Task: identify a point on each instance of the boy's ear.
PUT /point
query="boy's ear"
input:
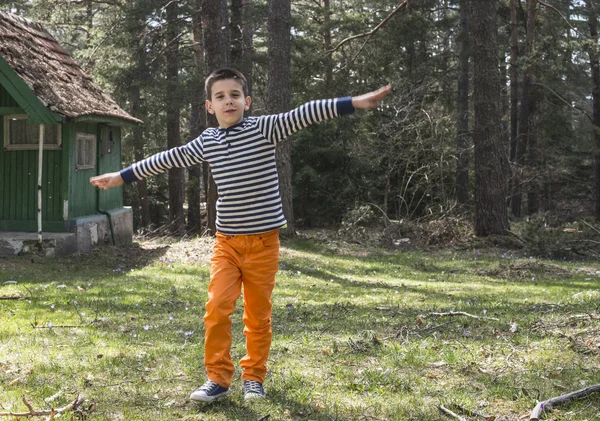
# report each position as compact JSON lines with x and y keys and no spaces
{"x":209,"y":107}
{"x":248,"y":102}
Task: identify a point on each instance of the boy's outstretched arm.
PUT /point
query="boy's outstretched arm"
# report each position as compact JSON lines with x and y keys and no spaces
{"x":371,"y":99}
{"x":108,"y":180}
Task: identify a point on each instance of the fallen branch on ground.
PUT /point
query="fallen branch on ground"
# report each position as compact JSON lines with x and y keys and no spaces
{"x":10,"y":297}
{"x":462,"y":313}
{"x":452,"y":414}
{"x":51,"y":413}
{"x":57,"y":326}
{"x":559,"y":400}
{"x":473,"y":413}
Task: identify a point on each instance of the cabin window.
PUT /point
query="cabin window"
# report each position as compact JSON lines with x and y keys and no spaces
{"x":86,"y":151}
{"x":20,"y":135}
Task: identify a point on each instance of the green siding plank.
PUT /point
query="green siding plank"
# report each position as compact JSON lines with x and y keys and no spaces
{"x":31,"y":183}
{"x":13,"y":188}
{"x":31,"y":226}
{"x":22,"y":171}
{"x":4,"y":186}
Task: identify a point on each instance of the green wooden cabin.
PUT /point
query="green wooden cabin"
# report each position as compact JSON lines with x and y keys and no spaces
{"x":41,"y":84}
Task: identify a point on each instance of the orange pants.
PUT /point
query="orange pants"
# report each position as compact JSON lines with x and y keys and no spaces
{"x":252,"y":261}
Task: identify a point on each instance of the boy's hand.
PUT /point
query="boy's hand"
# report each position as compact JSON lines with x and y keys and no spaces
{"x":108,"y":180}
{"x":370,"y":100}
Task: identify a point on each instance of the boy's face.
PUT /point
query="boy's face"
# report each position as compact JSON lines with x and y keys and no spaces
{"x":227,"y":102}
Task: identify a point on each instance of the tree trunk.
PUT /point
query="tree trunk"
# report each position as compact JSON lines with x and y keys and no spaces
{"x":197,"y":126}
{"x":525,"y":138}
{"x":280,"y":47}
{"x":217,"y":55}
{"x":514,"y":79}
{"x":594,"y":62}
{"x":176,"y":191}
{"x":490,"y":208}
{"x":328,"y":46}
{"x":514,"y":107}
{"x":138,"y":145}
{"x":462,"y":107}
{"x":531,"y":126}
{"x":241,"y":39}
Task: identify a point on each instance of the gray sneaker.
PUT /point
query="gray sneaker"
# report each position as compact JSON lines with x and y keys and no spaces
{"x":253,"y":390}
{"x":209,"y":392}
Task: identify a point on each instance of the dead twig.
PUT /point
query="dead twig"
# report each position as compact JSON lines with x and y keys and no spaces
{"x":370,"y":33}
{"x":462,"y":313}
{"x":51,"y":413}
{"x":592,"y":227}
{"x":51,"y":326}
{"x":559,"y":400}
{"x":10,"y":297}
{"x":450,"y":413}
{"x":473,"y":413}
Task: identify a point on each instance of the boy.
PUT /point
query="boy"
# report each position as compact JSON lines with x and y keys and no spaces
{"x":241,"y":153}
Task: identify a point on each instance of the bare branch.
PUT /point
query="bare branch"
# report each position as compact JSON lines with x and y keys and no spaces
{"x":462,"y":313}
{"x":452,"y":414}
{"x":565,"y":101}
{"x":559,"y":400}
{"x":370,"y":33}
{"x":561,"y":15}
{"x":44,"y":412}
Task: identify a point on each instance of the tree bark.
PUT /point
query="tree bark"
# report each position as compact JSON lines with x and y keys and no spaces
{"x":327,"y":46}
{"x":280,"y":47}
{"x":138,"y":145}
{"x":138,"y":58}
{"x":242,"y":35}
{"x":526,"y":136}
{"x":176,"y":191}
{"x":197,"y":126}
{"x":594,"y":62}
{"x":216,"y":46}
{"x":514,"y":79}
{"x":490,"y":208}
{"x":462,"y":107}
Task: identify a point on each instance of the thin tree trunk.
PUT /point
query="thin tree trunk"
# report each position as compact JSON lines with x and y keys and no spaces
{"x":594,"y":62}
{"x":248,"y":44}
{"x":514,"y":79}
{"x":525,"y":138}
{"x":242,"y":35}
{"x":490,"y":209}
{"x":138,"y":145}
{"x":197,"y":126}
{"x":462,"y":107}
{"x":327,"y":46}
{"x":514,"y":107}
{"x":217,"y":55}
{"x":280,"y":47}
{"x":531,"y":135}
{"x":138,"y":57}
{"x":176,"y":191}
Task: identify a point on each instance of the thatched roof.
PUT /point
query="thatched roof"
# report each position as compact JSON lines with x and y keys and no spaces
{"x":51,"y":73}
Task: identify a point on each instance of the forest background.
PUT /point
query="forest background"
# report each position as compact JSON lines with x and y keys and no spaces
{"x":491,"y":121}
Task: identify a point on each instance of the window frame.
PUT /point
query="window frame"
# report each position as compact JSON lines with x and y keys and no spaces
{"x":29,"y":146}
{"x":88,"y":137}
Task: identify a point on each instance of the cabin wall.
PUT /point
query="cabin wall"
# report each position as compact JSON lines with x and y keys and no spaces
{"x":18,"y":185}
{"x":110,"y":162}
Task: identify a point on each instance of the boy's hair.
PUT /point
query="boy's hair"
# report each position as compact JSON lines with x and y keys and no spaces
{"x":223,"y":74}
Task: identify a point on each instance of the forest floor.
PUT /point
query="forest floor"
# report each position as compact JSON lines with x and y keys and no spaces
{"x":357,"y":334}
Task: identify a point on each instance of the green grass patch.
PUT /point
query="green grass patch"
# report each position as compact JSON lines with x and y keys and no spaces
{"x":354,"y":334}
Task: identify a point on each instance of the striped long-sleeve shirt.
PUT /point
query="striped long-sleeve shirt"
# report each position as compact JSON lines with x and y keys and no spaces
{"x":242,"y":161}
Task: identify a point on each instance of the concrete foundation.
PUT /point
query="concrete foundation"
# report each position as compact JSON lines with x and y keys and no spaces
{"x":84,"y":234}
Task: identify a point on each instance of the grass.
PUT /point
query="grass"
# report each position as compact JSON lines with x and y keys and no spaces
{"x":354,"y":337}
